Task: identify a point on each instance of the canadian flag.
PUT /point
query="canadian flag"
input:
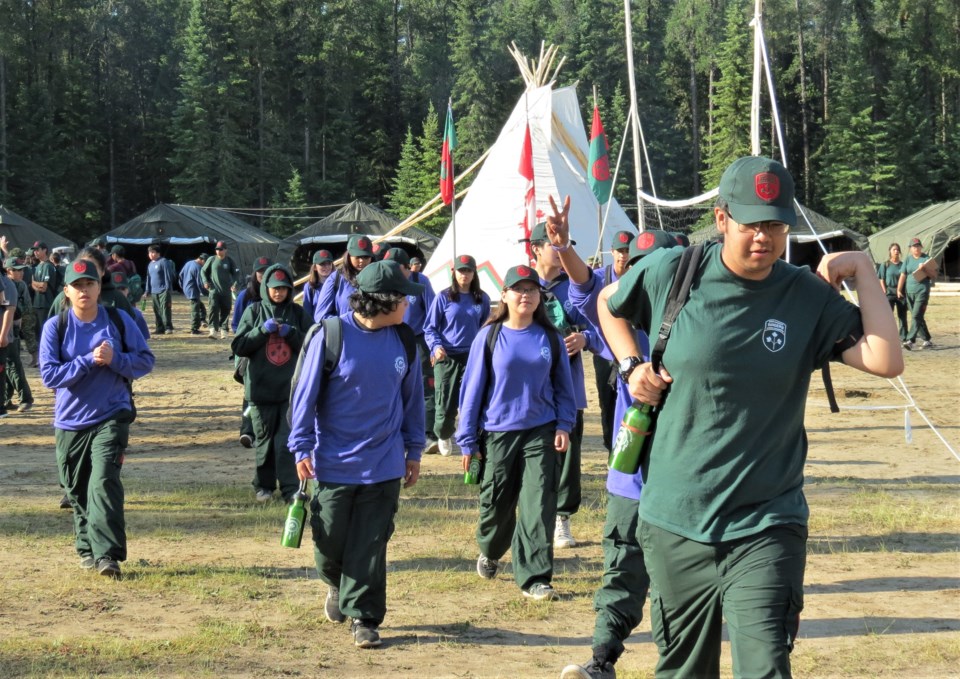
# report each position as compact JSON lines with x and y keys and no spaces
{"x":530,"y":198}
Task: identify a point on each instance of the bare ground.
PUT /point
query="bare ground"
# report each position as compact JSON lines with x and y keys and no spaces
{"x":882,"y":586}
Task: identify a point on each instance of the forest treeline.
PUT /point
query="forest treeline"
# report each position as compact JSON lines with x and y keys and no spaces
{"x":110,"y":106}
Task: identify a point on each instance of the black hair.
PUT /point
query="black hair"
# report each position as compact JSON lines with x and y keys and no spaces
{"x":152,"y":248}
{"x":453,"y":292}
{"x":348,"y":270}
{"x":95,"y":255}
{"x":371,"y":304}
{"x":253,"y":288}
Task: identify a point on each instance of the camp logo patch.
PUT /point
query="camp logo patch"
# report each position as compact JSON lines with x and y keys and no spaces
{"x":523,"y":271}
{"x":545,"y":353}
{"x":774,"y":335}
{"x":645,"y":240}
{"x":400,"y":365}
{"x":477,"y":309}
{"x":411,"y":299}
{"x":624,"y":238}
{"x":279,"y":276}
{"x":80,"y":267}
{"x":278,"y":351}
{"x":767,"y":186}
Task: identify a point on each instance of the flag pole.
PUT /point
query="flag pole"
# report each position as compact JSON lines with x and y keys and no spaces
{"x":453,"y":200}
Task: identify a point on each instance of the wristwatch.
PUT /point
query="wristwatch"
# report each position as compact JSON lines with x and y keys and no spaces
{"x":627,"y":366}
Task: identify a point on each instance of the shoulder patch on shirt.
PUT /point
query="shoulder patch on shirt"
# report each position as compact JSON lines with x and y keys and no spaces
{"x":774,"y":335}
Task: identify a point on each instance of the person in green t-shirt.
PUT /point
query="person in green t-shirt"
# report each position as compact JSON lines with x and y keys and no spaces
{"x":889,"y":275}
{"x":917,"y":294}
{"x":722,"y":515}
{"x":221,"y":277}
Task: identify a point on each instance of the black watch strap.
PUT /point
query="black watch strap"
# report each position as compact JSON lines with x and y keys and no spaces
{"x":624,"y":373}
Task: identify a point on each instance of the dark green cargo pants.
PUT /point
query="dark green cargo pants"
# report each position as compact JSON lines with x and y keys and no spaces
{"x":163,"y":311}
{"x":448,"y":374}
{"x":568,"y":493}
{"x":275,"y":462}
{"x":16,"y":377}
{"x":352,"y":525}
{"x":521,"y":470}
{"x":89,"y":463}
{"x":620,"y":599}
{"x":755,"y":583}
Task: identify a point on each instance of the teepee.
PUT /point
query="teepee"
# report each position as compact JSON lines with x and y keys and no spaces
{"x":489,"y":221}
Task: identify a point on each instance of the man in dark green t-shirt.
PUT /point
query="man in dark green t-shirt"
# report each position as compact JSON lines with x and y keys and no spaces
{"x":723,"y":518}
{"x":917,"y":294}
{"x":44,"y":282}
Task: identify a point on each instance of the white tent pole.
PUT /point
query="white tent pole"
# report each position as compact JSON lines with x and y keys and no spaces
{"x":755,"y":100}
{"x":635,"y":118}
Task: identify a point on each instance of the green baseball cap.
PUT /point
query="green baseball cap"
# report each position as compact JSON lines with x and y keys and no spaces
{"x":621,"y":239}
{"x":14,"y":263}
{"x":386,"y":276}
{"x":648,"y":241}
{"x":398,"y":255}
{"x":521,"y":273}
{"x":465,"y":263}
{"x":539,"y":234}
{"x":119,"y":279}
{"x":261,"y":264}
{"x":322,"y":257}
{"x":81,"y":268}
{"x":359,"y":246}
{"x":758,"y":189}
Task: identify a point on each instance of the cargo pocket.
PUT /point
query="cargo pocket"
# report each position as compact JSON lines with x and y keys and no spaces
{"x":659,"y":624}
{"x":791,"y":621}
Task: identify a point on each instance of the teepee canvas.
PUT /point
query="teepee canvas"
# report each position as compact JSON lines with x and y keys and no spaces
{"x":489,"y":221}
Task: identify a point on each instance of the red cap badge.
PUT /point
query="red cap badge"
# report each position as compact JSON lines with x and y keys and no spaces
{"x":767,"y":186}
{"x":645,"y":240}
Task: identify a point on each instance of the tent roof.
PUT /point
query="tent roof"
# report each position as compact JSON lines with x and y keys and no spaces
{"x":22,"y":233}
{"x":185,"y":225}
{"x":936,"y":226}
{"x":356,"y":217}
{"x":823,"y":228}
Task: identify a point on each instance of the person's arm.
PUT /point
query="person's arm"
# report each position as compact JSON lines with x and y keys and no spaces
{"x":878,"y":352}
{"x":558,"y":231}
{"x":882,"y":275}
{"x":8,"y":312}
{"x":902,"y":282}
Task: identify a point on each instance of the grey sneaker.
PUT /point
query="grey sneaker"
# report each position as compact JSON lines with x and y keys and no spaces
{"x":87,"y":562}
{"x":223,"y":334}
{"x":540,"y":591}
{"x":213,"y":334}
{"x":926,"y":344}
{"x":432,"y":447}
{"x":331,"y":607}
{"x":108,"y":568}
{"x":365,"y":634}
{"x":65,"y":503}
{"x":487,"y":568}
{"x":246,"y":440}
{"x":25,"y":408}
{"x":907,"y":345}
{"x":589,"y":670}
{"x":264,"y":495}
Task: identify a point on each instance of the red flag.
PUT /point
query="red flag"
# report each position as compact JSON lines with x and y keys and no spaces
{"x":446,"y":158}
{"x":530,"y":198}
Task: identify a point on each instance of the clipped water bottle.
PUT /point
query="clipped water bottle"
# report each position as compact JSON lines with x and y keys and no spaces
{"x":634,"y":428}
{"x":471,"y":477}
{"x":296,"y":519}
{"x":143,"y":304}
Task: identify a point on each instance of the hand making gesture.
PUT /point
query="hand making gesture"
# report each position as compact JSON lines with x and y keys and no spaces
{"x":558,"y":224}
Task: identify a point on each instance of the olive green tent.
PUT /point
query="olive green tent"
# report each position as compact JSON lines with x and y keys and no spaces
{"x":22,"y":233}
{"x":937,"y":227}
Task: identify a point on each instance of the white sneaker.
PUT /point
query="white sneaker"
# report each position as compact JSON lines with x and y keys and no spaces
{"x":223,"y":334}
{"x":926,"y":345}
{"x":445,"y":446}
{"x":432,"y":447}
{"x":213,"y":334}
{"x":562,"y":537}
{"x":264,"y":495}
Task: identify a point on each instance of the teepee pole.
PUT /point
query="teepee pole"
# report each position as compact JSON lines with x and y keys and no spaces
{"x":755,"y":99}
{"x":635,"y":119}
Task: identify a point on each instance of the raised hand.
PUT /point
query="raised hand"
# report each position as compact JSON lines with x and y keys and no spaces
{"x":558,"y":224}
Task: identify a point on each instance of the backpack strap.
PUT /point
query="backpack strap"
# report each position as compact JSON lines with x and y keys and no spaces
{"x":607,"y":275}
{"x":679,"y":293}
{"x":409,"y":340}
{"x":112,"y":312}
{"x":332,"y":342}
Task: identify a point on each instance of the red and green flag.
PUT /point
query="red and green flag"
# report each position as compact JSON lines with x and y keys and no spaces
{"x":446,"y":158}
{"x":530,"y":193}
{"x":600,"y":181}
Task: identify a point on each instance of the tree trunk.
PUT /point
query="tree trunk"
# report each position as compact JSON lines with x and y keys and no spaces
{"x":695,"y":123}
{"x":804,"y":122}
{"x":3,"y":127}
{"x":260,"y":132}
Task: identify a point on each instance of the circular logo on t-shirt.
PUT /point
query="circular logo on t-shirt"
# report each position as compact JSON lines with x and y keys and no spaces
{"x":645,"y":240}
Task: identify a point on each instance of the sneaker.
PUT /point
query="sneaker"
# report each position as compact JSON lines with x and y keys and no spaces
{"x":540,"y":591}
{"x":589,"y":670}
{"x":213,"y":334}
{"x":195,"y":332}
{"x":65,"y":502}
{"x":264,"y":495}
{"x":331,"y":607}
{"x":926,"y":345}
{"x":908,"y":346}
{"x":432,"y":447}
{"x":562,"y":537}
{"x":487,"y":568}
{"x":25,"y":408}
{"x":223,"y":334}
{"x":365,"y":634}
{"x":246,"y":440}
{"x":445,"y":446}
{"x":32,"y":363}
{"x":87,"y":562}
{"x":108,"y":568}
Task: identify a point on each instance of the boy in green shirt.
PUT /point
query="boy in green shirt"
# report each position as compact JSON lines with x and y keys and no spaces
{"x":723,"y":518}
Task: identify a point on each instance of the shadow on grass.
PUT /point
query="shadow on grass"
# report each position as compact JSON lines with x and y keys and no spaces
{"x":469,"y":634}
{"x":145,"y":571}
{"x":922,"y":584}
{"x":925,"y":543}
{"x":873,"y":626}
{"x":903,"y":482}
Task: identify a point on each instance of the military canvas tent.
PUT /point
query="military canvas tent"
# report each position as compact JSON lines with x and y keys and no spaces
{"x":804,"y":249}
{"x":333,"y":232}
{"x":185,"y":232}
{"x":937,"y":227}
{"x":22,"y":233}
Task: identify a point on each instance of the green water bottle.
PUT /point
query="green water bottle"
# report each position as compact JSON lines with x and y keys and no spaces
{"x":471,"y":477}
{"x":634,"y":428}
{"x":296,"y":519}
{"x":143,"y":304}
